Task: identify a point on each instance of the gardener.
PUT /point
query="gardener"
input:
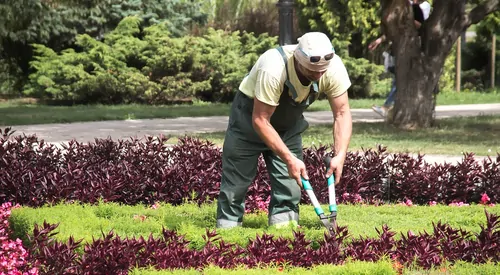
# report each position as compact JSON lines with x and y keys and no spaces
{"x":267,"y":118}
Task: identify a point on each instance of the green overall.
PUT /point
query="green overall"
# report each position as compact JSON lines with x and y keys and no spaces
{"x":243,"y":146}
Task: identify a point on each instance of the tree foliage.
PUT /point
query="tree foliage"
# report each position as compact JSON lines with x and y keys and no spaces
{"x":351,"y":23}
{"x":477,"y":54}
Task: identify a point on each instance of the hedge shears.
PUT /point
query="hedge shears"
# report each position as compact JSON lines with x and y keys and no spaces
{"x":329,"y":221}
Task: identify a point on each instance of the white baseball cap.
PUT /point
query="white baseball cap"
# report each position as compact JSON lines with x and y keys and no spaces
{"x":314,"y":51}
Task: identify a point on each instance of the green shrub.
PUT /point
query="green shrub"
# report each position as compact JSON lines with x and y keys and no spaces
{"x":223,"y":61}
{"x":56,"y":25}
{"x":363,"y":75}
{"x":447,"y":79}
{"x":472,"y":80}
{"x":145,"y":66}
{"x":10,"y":78}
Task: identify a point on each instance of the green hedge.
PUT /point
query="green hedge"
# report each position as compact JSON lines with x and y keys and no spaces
{"x":363,"y":75}
{"x":85,"y":221}
{"x":145,"y":66}
{"x":350,"y":268}
{"x":135,"y":65}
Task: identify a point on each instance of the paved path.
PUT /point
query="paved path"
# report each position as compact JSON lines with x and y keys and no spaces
{"x":123,"y":129}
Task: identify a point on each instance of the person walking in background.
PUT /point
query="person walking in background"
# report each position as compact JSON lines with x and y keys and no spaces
{"x":421,"y":11}
{"x":267,"y":119}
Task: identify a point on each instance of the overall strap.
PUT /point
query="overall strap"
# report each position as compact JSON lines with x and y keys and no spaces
{"x":287,"y":81}
{"x":314,"y":90}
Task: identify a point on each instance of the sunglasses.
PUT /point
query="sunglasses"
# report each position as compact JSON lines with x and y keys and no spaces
{"x":317,"y":58}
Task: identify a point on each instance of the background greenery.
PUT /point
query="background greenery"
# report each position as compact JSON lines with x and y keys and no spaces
{"x":158,"y":52}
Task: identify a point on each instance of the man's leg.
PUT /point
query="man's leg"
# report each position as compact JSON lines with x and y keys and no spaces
{"x":285,"y":192}
{"x":239,"y":166}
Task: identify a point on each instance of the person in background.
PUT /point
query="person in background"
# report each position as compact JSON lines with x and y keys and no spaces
{"x":267,"y":119}
{"x":421,"y":11}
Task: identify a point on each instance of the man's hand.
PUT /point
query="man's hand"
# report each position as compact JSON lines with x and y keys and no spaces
{"x":336,"y":166}
{"x":296,"y":170}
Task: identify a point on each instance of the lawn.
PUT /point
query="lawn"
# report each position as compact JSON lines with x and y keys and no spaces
{"x":87,"y":221}
{"x":193,"y":223}
{"x":451,"y":136}
{"x":19,"y":112}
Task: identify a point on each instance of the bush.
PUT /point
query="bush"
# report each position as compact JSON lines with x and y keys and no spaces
{"x":223,"y":59}
{"x":10,"y":79}
{"x":56,"y":25}
{"x":448,"y":75}
{"x":145,"y":66}
{"x":362,"y":74}
{"x":472,"y":80}
{"x":144,"y":171}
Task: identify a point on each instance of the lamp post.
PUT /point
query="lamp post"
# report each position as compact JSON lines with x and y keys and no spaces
{"x":285,"y":8}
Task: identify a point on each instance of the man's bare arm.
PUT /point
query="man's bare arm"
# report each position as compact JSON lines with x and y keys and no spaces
{"x":342,"y":131}
{"x":261,"y":121}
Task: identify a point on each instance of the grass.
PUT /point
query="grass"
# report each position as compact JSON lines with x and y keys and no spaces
{"x":349,"y":268}
{"x":84,"y":221}
{"x":87,"y":221}
{"x":451,"y":136}
{"x":15,"y":113}
{"x":25,"y":112}
{"x":446,"y":98}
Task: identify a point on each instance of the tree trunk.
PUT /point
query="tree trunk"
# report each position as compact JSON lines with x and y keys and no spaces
{"x":420,"y":57}
{"x":415,"y":84}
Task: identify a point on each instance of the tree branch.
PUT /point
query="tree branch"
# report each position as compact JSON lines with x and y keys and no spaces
{"x":480,"y":11}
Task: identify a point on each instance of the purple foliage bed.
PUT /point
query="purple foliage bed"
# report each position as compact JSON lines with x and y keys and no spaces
{"x":34,"y":173}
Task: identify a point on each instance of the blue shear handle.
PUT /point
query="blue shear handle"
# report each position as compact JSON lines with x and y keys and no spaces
{"x":331,"y":194}
{"x":306,"y":184}
{"x":309,"y":190}
{"x":331,"y":180}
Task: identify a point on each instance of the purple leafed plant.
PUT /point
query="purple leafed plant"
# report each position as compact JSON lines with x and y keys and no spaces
{"x":34,"y":173}
{"x":372,"y":249}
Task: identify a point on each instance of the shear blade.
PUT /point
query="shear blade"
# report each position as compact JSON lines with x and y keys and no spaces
{"x":329,"y":226}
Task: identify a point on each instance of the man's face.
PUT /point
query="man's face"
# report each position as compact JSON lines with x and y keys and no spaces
{"x":310,"y":75}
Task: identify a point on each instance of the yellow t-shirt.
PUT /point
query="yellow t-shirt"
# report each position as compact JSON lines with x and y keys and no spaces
{"x":267,"y":78}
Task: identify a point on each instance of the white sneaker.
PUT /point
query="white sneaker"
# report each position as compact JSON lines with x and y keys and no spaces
{"x":381,"y":110}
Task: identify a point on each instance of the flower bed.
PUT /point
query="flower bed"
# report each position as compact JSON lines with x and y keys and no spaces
{"x":113,"y":254}
{"x":13,"y":256}
{"x":133,"y":171}
{"x":33,"y":173}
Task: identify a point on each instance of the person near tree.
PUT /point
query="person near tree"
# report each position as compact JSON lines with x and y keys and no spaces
{"x":421,"y":11}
